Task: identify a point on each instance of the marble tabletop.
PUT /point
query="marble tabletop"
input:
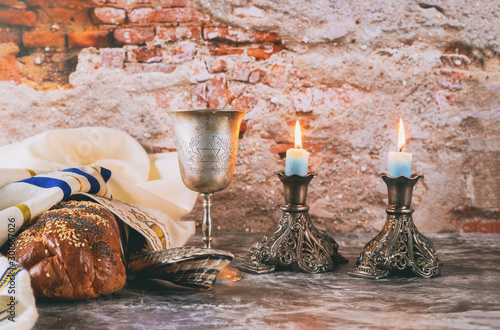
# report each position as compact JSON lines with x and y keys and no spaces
{"x":466,"y":296}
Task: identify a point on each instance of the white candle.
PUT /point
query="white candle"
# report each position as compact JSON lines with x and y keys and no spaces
{"x":297,"y":159}
{"x":400,"y":162}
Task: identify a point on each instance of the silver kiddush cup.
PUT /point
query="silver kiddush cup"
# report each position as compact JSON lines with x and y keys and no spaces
{"x":207,"y":142}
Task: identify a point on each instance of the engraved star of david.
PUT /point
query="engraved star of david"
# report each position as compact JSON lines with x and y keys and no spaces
{"x":209,"y":154}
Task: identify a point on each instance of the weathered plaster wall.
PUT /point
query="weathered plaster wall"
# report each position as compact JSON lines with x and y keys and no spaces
{"x":348,"y":70}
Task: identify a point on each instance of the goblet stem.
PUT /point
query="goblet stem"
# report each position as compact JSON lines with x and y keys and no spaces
{"x":207,"y":220}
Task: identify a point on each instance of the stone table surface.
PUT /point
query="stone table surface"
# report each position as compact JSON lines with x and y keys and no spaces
{"x":466,"y":296}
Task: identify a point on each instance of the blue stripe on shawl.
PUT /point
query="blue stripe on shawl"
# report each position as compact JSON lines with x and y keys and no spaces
{"x":106,"y":174}
{"x":94,"y":184}
{"x":8,"y":274}
{"x":44,"y":182}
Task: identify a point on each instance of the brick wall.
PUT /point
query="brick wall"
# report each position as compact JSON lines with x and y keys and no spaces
{"x":347,"y":72}
{"x":56,"y":30}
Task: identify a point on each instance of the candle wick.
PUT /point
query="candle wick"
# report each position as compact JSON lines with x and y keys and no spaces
{"x":402,"y":147}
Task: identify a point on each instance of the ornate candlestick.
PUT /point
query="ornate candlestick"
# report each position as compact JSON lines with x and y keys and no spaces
{"x":399,"y":246}
{"x":295,"y":240}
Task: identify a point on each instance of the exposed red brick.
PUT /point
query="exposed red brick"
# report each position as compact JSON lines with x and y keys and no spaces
{"x":131,"y":4}
{"x":218,"y":94}
{"x":182,"y":52}
{"x":18,"y":17}
{"x":150,"y":15}
{"x":69,"y":18}
{"x":146,"y":54}
{"x":13,"y":4}
{"x":217,"y":65}
{"x":276,"y":77}
{"x":480,"y":226}
{"x":9,"y":48}
{"x":9,"y":69}
{"x":263,"y":53}
{"x":490,"y":227}
{"x":228,"y":51}
{"x":108,"y":15}
{"x":174,"y":3}
{"x":44,"y":39}
{"x":97,"y":38}
{"x":239,"y":35}
{"x":178,"y":32}
{"x":133,"y":68}
{"x":133,"y":36}
{"x":76,"y":4}
{"x":9,"y":65}
{"x":241,"y":72}
{"x":11,"y":34}
{"x":199,"y":96}
{"x":259,"y":54}
{"x":112,"y":57}
{"x":451,"y":78}
{"x":245,"y":102}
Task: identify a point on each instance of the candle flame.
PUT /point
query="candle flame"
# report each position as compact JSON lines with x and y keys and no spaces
{"x":401,"y":140}
{"x":298,"y":138}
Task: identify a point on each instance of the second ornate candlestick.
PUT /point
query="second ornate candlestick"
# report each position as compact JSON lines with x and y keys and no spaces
{"x":399,"y":246}
{"x":294,"y":241}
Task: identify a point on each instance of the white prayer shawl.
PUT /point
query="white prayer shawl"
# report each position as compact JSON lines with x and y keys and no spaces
{"x":99,"y":161}
{"x":106,"y":165}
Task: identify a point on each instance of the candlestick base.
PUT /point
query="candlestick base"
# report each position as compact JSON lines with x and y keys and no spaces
{"x":294,"y":241}
{"x":399,"y":246}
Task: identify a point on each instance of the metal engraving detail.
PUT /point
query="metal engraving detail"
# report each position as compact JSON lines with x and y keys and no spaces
{"x":206,"y":154}
{"x":207,"y":143}
{"x":295,"y":241}
{"x":399,"y":246}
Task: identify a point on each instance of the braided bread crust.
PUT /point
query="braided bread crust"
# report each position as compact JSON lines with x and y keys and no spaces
{"x":73,"y":252}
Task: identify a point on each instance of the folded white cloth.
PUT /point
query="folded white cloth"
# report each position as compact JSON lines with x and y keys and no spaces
{"x":147,"y":194}
{"x":17,"y":303}
{"x":152,"y":182}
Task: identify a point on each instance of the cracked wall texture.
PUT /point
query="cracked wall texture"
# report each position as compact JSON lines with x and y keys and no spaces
{"x":347,"y":70}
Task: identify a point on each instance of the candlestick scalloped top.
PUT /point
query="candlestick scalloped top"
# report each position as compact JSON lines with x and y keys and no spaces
{"x":414,"y":176}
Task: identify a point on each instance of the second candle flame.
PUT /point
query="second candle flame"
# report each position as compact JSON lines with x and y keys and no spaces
{"x":401,"y":140}
{"x":298,"y":139}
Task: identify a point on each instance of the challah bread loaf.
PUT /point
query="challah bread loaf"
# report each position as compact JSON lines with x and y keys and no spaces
{"x":73,"y":252}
